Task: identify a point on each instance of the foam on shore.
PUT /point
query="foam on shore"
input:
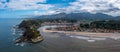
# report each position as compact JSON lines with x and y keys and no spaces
{"x":89,"y":39}
{"x":90,"y":36}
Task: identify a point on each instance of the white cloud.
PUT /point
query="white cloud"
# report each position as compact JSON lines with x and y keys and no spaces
{"x":110,"y":7}
{"x":113,"y":13}
{"x":50,"y":12}
{"x":3,"y":0}
{"x":3,"y":3}
{"x":95,"y":6}
{"x":28,"y":4}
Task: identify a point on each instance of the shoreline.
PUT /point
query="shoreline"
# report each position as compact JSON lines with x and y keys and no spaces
{"x":115,"y":36}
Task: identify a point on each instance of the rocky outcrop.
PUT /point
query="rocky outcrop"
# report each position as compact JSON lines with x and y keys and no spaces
{"x":37,"y":39}
{"x":30,"y":34}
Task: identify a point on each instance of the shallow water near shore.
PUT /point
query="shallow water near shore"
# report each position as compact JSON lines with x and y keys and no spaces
{"x":53,"y":42}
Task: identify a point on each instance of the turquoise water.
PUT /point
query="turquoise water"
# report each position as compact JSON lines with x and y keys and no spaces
{"x":53,"y":42}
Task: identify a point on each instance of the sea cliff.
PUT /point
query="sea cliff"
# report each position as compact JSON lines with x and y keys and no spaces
{"x":30,"y":34}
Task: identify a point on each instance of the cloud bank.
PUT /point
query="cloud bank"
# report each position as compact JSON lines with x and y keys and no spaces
{"x":25,"y":5}
{"x":110,"y":7}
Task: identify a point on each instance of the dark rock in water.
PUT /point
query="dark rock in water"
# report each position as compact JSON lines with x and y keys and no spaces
{"x":32,"y":40}
{"x":30,"y":34}
{"x":37,"y":39}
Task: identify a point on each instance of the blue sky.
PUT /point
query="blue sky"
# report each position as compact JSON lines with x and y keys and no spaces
{"x":48,"y":7}
{"x":24,"y":7}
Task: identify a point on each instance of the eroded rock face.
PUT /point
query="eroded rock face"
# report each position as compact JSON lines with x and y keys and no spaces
{"x":32,"y":40}
{"x":30,"y":34}
{"x":38,"y":39}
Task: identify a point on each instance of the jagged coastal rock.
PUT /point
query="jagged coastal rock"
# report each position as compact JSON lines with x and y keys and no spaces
{"x":30,"y":34}
{"x":37,"y":39}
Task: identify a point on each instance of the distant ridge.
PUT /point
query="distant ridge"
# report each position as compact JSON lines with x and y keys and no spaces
{"x":78,"y":16}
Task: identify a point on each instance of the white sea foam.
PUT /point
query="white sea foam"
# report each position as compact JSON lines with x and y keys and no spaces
{"x":20,"y":34}
{"x":67,"y":34}
{"x":115,"y":38}
{"x":98,"y":38}
{"x":13,"y":33}
{"x":20,"y":44}
{"x":91,"y":40}
{"x":16,"y":44}
{"x":80,"y":37}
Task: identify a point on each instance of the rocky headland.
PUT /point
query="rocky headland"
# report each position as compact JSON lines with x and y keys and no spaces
{"x":30,"y":34}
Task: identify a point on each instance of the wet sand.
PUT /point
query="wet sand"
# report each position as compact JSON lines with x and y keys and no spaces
{"x":89,"y":34}
{"x":61,"y":42}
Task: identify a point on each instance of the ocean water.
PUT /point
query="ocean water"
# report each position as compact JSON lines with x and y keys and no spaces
{"x":53,"y":42}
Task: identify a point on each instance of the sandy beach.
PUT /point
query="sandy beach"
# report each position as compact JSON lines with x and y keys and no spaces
{"x":89,"y":34}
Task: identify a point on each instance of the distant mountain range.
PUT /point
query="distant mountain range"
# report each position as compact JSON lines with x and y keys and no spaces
{"x":116,"y":18}
{"x":79,"y":16}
